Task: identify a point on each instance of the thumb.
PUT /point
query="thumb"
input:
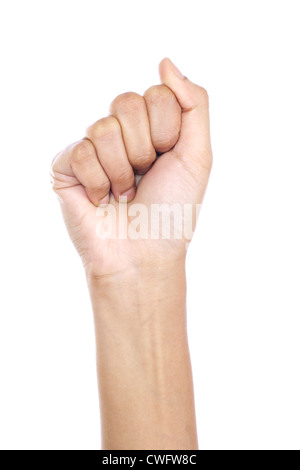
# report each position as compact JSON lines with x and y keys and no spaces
{"x":194,"y":141}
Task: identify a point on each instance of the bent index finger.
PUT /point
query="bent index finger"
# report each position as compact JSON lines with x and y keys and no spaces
{"x":164,"y":116}
{"x":131,"y":112}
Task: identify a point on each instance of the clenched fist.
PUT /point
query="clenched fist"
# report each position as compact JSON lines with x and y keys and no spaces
{"x":164,"y":138}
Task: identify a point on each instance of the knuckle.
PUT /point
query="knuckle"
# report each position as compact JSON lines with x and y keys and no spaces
{"x":144,"y":160}
{"x":105,"y":128}
{"x":124,"y":178}
{"x":127,"y":103}
{"x":82,"y":151}
{"x":104,"y":186}
{"x":98,"y":181}
{"x":159,"y":95}
{"x":165,"y":141}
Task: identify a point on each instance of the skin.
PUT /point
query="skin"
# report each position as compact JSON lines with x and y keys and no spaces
{"x":138,"y":287}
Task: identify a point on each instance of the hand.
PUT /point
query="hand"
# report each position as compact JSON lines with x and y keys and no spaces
{"x":172,"y":120}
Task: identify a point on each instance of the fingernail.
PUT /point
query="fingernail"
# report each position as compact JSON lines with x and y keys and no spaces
{"x":177,"y":71}
{"x":104,"y":201}
{"x":128,"y":195}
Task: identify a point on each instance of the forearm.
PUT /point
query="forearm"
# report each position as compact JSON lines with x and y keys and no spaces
{"x":144,"y":372}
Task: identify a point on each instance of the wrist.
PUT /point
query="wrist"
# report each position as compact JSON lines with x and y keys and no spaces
{"x":153,"y":274}
{"x":153,"y":292}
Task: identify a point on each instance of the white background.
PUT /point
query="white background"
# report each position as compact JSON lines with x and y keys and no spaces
{"x":62,"y":63}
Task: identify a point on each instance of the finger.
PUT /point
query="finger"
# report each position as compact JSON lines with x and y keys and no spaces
{"x":164,"y":116}
{"x":78,"y":164}
{"x":194,"y":142}
{"x":131,"y":112}
{"x":106,"y":135}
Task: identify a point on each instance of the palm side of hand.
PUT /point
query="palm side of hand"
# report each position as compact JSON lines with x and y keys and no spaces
{"x":176,"y":125}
